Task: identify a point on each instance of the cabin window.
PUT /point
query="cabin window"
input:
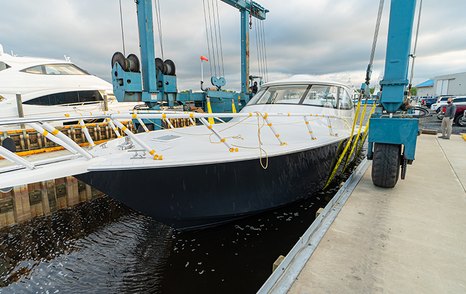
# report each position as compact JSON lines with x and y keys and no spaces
{"x":290,"y":94}
{"x":64,"y":98}
{"x":3,"y":65}
{"x":458,"y":100}
{"x":322,"y":95}
{"x":344,"y":99}
{"x":55,"y":69}
{"x":312,"y":95}
{"x":34,"y":70}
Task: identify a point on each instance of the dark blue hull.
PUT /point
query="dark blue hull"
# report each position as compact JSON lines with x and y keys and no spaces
{"x":203,"y":195}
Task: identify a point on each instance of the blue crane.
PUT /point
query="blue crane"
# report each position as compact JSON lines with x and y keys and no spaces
{"x":393,"y":132}
{"x":153,"y":80}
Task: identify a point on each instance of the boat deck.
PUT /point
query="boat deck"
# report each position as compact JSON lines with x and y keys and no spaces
{"x":409,"y":239}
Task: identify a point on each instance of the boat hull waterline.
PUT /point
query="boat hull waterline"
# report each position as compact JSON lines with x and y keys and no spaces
{"x":204,"y":195}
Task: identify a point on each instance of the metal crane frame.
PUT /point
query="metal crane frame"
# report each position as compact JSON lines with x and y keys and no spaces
{"x":152,"y":86}
{"x":392,"y":133}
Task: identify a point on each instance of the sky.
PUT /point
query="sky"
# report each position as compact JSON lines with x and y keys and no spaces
{"x":327,"y":39}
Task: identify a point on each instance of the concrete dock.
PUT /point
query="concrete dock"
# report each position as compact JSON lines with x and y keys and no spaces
{"x":409,"y":239}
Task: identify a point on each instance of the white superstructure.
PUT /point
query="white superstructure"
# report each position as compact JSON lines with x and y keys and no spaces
{"x":52,"y":87}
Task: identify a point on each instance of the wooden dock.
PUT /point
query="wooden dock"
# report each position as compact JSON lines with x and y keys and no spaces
{"x":409,"y":239}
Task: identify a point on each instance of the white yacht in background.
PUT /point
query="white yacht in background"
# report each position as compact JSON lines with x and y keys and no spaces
{"x":52,"y":87}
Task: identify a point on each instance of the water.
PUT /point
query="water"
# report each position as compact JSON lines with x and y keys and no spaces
{"x":104,"y":247}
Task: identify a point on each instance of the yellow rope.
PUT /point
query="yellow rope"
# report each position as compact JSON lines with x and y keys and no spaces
{"x":259,"y":127}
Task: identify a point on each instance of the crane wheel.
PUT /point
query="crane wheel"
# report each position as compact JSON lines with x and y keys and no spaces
{"x":386,"y":165}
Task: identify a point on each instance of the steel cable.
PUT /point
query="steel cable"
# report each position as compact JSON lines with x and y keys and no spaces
{"x":122,"y":30}
{"x":256,"y":33}
{"x":265,"y":52}
{"x":159,"y":26}
{"x":207,"y":36}
{"x":415,"y":45}
{"x":374,"y":42}
{"x":220,"y":40}
{"x":213,"y":52}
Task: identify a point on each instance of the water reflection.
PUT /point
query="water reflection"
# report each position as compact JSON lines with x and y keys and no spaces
{"x":104,"y":247}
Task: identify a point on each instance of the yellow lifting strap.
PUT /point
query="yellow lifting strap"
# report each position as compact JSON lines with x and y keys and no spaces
{"x":209,"y":110}
{"x":348,"y":143}
{"x":233,"y":106}
{"x":366,"y":130}
{"x":353,"y":148}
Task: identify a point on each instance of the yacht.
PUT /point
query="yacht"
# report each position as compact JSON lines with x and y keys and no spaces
{"x":279,"y":149}
{"x":52,"y":87}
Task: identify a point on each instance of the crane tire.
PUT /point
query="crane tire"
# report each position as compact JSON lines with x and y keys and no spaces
{"x":386,"y":165}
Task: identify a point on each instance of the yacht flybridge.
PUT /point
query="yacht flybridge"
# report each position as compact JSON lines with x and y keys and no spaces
{"x":280,"y":148}
{"x":52,"y":87}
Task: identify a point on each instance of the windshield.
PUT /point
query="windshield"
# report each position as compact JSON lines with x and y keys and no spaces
{"x":55,"y":69}
{"x":313,"y":95}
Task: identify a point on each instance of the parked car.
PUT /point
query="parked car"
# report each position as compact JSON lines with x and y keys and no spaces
{"x":427,"y":101}
{"x":441,"y":101}
{"x":460,"y":113}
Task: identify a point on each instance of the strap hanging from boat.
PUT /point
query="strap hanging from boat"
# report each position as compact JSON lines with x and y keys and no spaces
{"x":159,"y":26}
{"x":413,"y":55}
{"x":345,"y":150}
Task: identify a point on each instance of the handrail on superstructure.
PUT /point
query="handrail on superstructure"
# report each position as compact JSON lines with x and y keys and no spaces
{"x":41,"y":125}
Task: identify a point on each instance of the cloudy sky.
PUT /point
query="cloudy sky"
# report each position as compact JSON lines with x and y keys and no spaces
{"x":327,"y":38}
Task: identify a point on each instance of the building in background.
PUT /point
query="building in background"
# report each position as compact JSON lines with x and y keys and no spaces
{"x":425,"y":89}
{"x":452,"y":84}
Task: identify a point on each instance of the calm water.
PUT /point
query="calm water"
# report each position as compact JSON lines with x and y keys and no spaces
{"x":104,"y":247}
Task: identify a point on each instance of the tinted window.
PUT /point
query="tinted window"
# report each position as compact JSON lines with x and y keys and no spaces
{"x":290,"y":94}
{"x":66,"y":98}
{"x":55,"y":69}
{"x":34,"y":70}
{"x":3,"y":65}
{"x":313,"y":95}
{"x":457,"y":100}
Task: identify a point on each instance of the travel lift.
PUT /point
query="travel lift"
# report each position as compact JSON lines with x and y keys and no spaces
{"x":393,"y":131}
{"x":154,"y":82}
